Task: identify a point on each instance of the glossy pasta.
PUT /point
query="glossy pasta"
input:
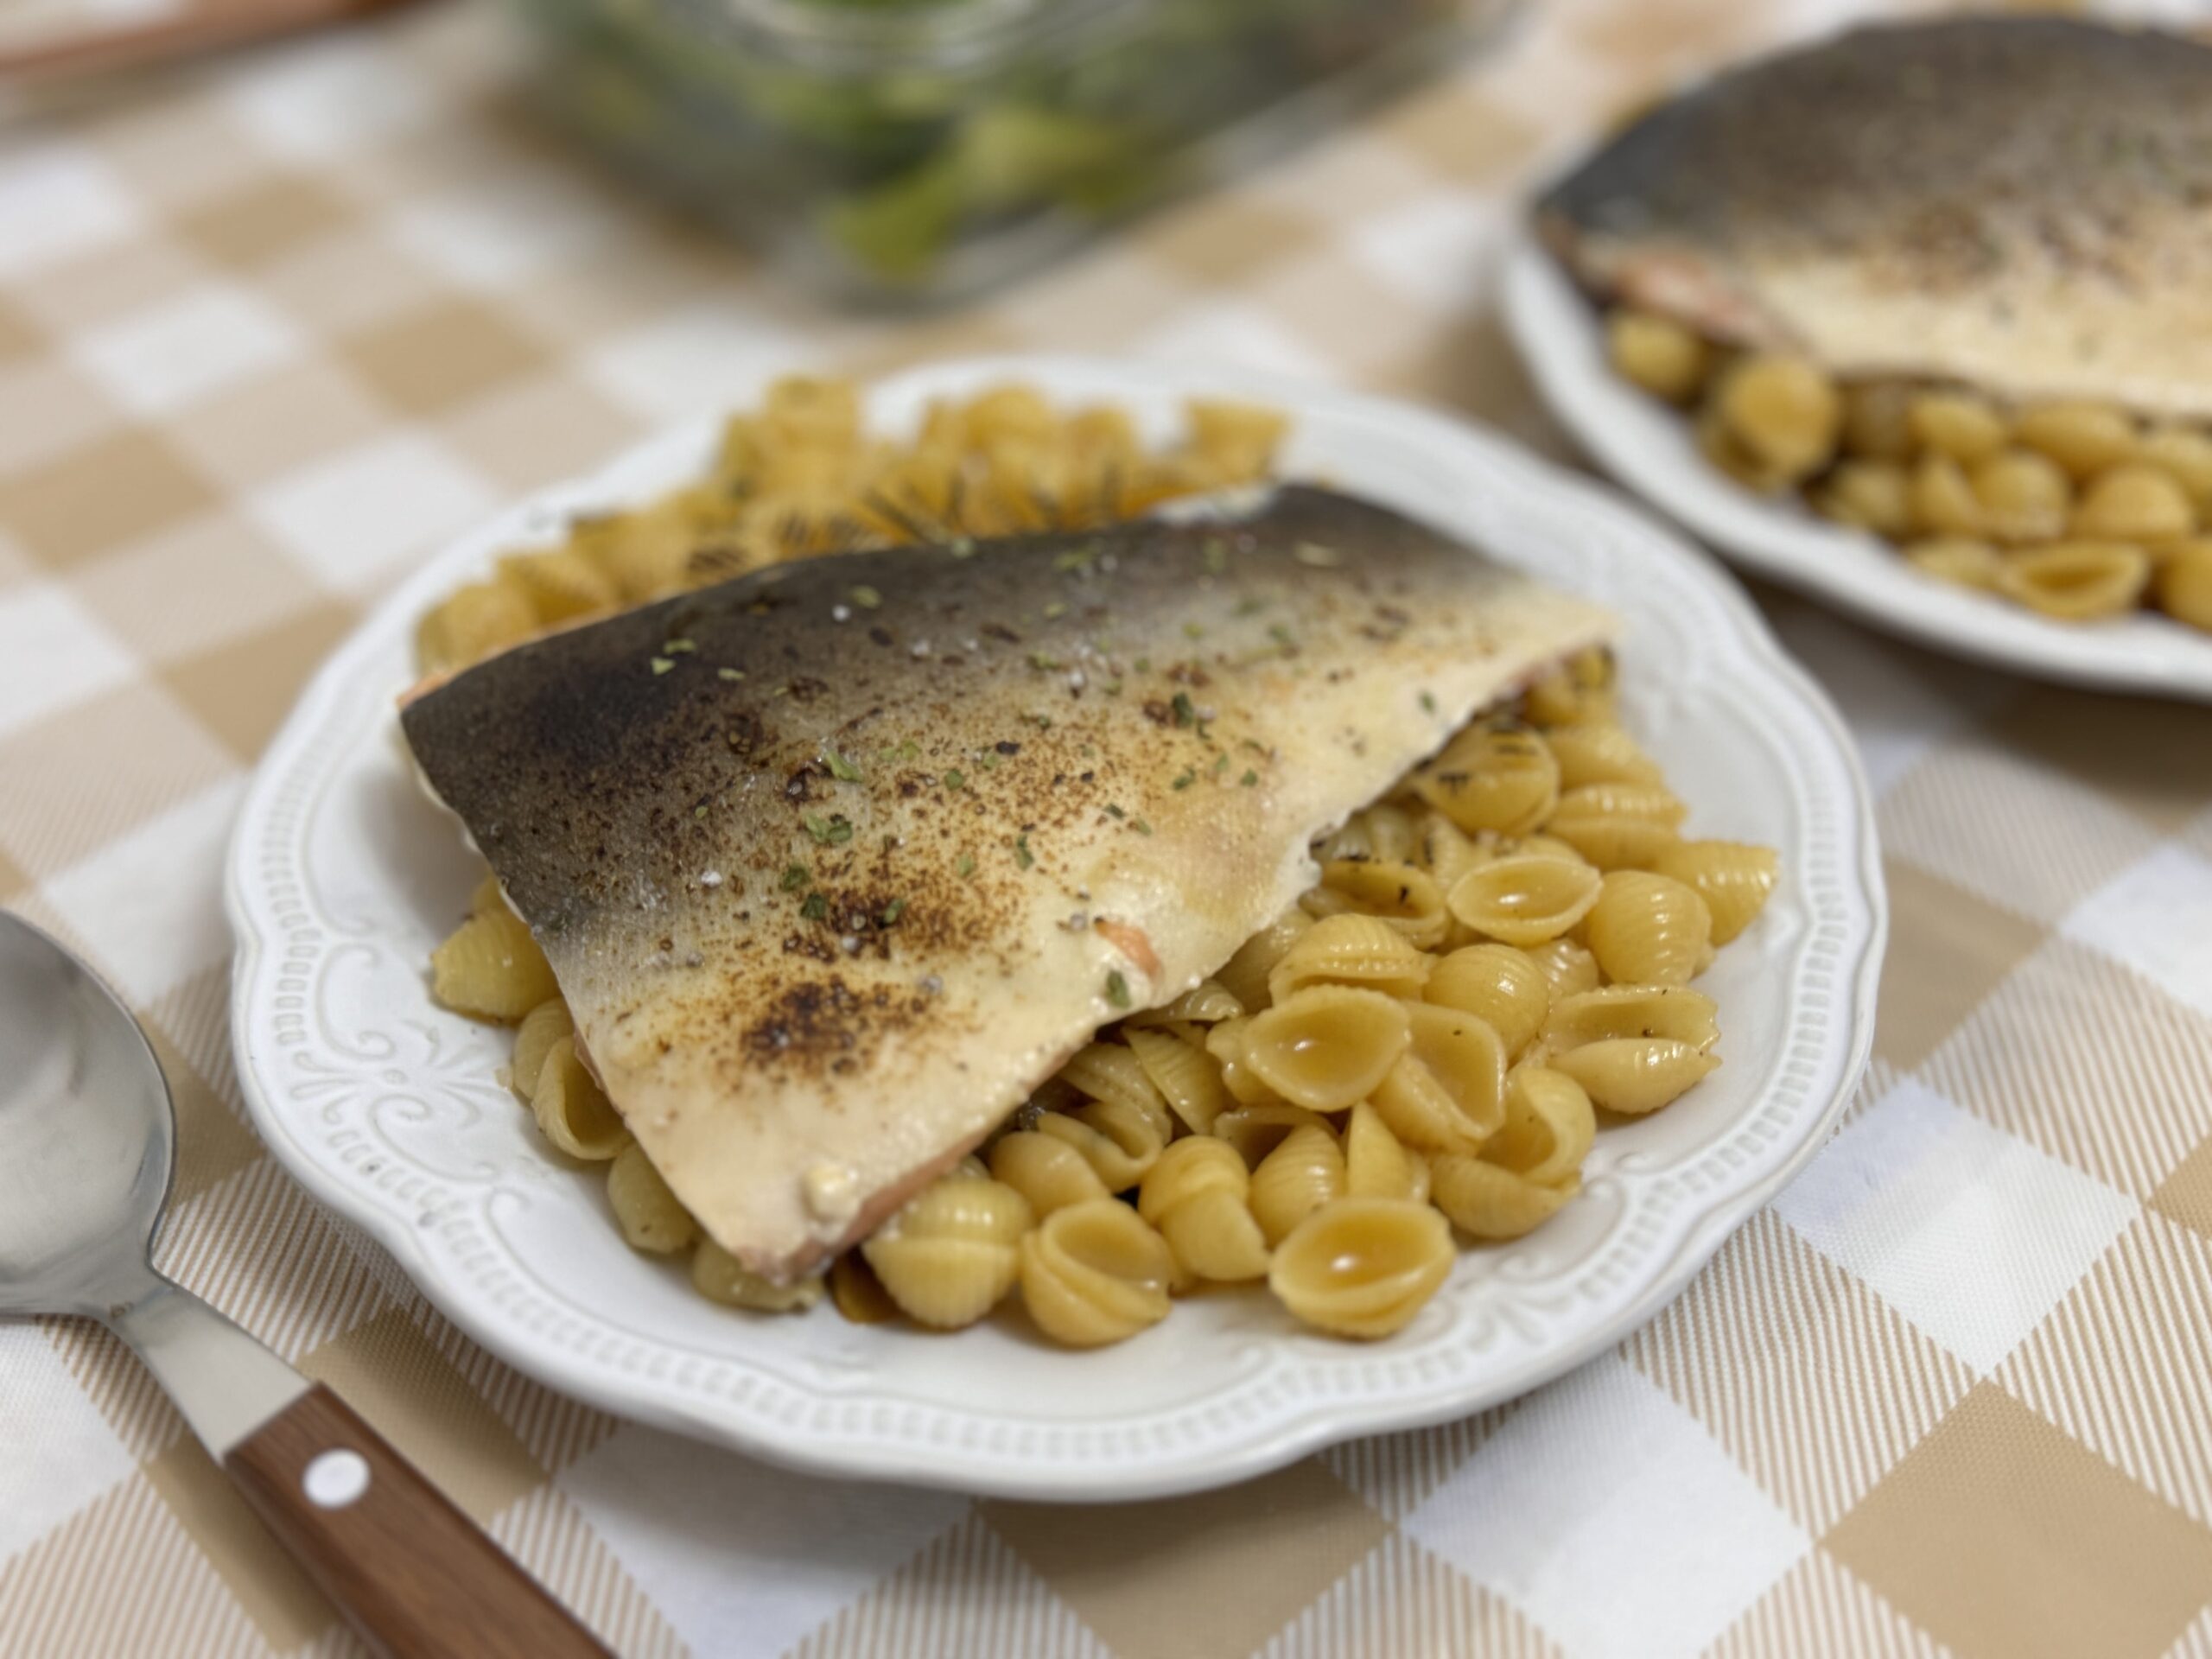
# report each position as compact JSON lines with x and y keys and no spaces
{"x":2069,"y":508}
{"x":1491,"y":959}
{"x":952,"y":1251}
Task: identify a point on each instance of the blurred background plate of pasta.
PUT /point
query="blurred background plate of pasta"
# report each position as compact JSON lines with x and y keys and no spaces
{"x":342,"y":878}
{"x":1652,"y":449}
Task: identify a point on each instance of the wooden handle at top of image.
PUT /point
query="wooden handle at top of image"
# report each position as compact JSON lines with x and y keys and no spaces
{"x":413,"y":1575}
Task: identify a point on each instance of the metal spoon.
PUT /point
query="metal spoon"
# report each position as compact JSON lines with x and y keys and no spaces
{"x":88,"y":1140}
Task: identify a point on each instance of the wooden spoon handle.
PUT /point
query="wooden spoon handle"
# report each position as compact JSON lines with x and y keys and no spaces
{"x":415,"y":1575}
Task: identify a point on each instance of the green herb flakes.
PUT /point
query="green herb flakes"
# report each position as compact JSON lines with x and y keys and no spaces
{"x":866,"y":597}
{"x":1213,"y":554}
{"x":1250,"y":777}
{"x":730,"y":673}
{"x":961,"y":547}
{"x":1057,"y":609}
{"x":1023,"y":857}
{"x":1312,"y":553}
{"x":1220,"y":763}
{"x":1427,"y":703}
{"x":1139,"y":826}
{"x":1044,"y":660}
{"x":1117,"y":989}
{"x":815,"y":908}
{"x":678,"y":647}
{"x":795,"y":877}
{"x":965,"y":867}
{"x":1185,"y":780}
{"x":840,"y":768}
{"x":956,"y":778}
{"x":1193,"y":630}
{"x":892,"y":912}
{"x":833,"y":831}
{"x":662,"y":664}
{"x":1187,"y":712}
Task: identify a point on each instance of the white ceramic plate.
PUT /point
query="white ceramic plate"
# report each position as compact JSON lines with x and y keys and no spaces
{"x":1648,"y":447}
{"x":343,"y":877}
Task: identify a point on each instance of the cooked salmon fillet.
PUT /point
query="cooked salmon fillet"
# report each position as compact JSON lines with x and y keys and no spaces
{"x":836,"y":863}
{"x":2023,"y":204}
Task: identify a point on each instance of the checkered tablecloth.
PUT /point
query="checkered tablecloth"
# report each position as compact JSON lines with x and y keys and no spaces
{"x":271,"y":329}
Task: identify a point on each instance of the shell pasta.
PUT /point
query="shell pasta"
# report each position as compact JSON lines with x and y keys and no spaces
{"x":1492,"y":963}
{"x":1419,"y":1051}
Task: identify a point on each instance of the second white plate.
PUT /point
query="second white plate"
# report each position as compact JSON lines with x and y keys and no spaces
{"x":342,"y":878}
{"x":1648,"y":447}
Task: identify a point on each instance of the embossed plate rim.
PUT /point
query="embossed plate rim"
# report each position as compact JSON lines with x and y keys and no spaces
{"x":1648,"y":449}
{"x":1282,"y":1397}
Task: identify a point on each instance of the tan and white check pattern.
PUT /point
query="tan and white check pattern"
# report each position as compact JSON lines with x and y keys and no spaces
{"x":269,"y":330}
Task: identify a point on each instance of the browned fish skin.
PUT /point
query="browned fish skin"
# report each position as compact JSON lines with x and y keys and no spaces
{"x":851,"y":830}
{"x":2022,"y":203}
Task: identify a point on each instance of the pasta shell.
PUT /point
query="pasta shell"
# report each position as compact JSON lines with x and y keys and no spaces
{"x":1298,"y":1177}
{"x":1094,"y":1273}
{"x":1599,"y":752}
{"x":491,"y":967}
{"x":1351,"y":950}
{"x":1446,"y":851}
{"x":1567,"y":966}
{"x":1391,"y":833}
{"x":573,"y":1111}
{"x":1197,"y":1195}
{"x":720,"y":1277}
{"x":1226,"y":1043}
{"x":541,"y":1028}
{"x":560,"y":583}
{"x":1549,"y":1125}
{"x":1253,"y":1132}
{"x":1634,"y":1075}
{"x":649,"y":1214}
{"x":1524,"y":900}
{"x":1500,"y":777}
{"x":857,"y":1293}
{"x":1448,"y":1090}
{"x":1733,"y":878}
{"x":1611,"y":843}
{"x":1361,"y":1267}
{"x":1048,"y":1170}
{"x":475,"y":622}
{"x":1118,"y":1139}
{"x":1579,"y":691}
{"x":1648,"y":930}
{"x":1489,"y":1201}
{"x":1671,"y":1011}
{"x":949,"y":1255}
{"x":1401,"y":896}
{"x":1617,"y":799}
{"x":1376,"y":1164}
{"x":1207,"y":1001}
{"x":2076,"y":582}
{"x":1108,"y":1071}
{"x":1501,"y":986}
{"x":1188,"y":1079}
{"x":1327,"y":1045}
{"x":1246,"y":974}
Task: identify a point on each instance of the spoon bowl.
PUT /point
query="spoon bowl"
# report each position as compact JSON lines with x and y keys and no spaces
{"x":87,"y":1141}
{"x":87,"y":1135}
